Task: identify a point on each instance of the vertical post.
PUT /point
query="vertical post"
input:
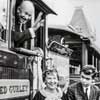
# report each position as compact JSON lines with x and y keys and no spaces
{"x":44,"y":42}
{"x":10,"y":8}
{"x":84,"y":54}
{"x":96,"y":63}
{"x":9,"y":14}
{"x":99,"y":68}
{"x":32,"y":23}
{"x":7,"y":32}
{"x":92,"y":59}
{"x":46,"y":31}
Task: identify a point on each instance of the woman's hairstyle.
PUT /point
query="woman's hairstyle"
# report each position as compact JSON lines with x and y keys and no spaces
{"x":49,"y":72}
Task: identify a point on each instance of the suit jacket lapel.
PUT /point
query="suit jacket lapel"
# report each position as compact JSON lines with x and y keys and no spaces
{"x":81,"y":91}
{"x":92,"y":93}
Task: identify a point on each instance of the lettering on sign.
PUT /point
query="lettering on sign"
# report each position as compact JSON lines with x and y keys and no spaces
{"x":10,"y":88}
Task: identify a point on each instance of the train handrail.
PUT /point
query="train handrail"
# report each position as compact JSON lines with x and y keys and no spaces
{"x":35,"y":52}
{"x":61,"y":48}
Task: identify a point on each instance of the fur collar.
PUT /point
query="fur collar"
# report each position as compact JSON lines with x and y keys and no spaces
{"x":52,"y":96}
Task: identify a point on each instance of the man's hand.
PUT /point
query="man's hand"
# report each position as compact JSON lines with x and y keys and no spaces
{"x":38,"y":21}
{"x":38,"y":51}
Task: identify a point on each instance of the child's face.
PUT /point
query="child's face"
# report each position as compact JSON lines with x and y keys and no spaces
{"x":51,"y":80}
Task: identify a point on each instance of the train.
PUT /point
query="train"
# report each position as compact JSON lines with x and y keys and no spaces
{"x":21,"y":68}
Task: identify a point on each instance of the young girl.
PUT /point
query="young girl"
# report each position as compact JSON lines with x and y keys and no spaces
{"x":51,"y":90}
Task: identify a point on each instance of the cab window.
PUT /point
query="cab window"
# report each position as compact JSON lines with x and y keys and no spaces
{"x":3,"y":21}
{"x":21,"y":22}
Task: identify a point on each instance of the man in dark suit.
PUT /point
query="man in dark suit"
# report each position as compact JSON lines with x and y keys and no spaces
{"x":85,"y":89}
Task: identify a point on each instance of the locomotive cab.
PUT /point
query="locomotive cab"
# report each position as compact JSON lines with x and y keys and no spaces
{"x":19,"y":66}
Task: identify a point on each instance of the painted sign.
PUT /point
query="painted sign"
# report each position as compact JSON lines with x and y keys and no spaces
{"x":10,"y":88}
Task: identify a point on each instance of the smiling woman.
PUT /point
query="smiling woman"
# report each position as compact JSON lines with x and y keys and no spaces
{"x":51,"y":90}
{"x":51,"y":80}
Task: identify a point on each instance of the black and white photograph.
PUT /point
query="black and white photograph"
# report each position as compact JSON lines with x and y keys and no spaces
{"x":49,"y":50}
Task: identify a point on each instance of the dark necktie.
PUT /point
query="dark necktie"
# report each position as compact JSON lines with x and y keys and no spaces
{"x":23,"y":27}
{"x":86,"y":93}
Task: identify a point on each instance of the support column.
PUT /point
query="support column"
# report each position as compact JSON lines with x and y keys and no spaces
{"x":84,"y":54}
{"x":99,"y":68}
{"x":92,"y":59}
{"x":96,"y":63}
{"x":44,"y":42}
{"x":99,"y":65}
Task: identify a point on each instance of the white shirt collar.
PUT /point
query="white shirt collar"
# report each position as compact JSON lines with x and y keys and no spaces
{"x":88,"y":91}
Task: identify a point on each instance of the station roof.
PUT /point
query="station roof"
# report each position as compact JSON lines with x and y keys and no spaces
{"x":95,"y":47}
{"x":68,"y":29}
{"x":43,"y":7}
{"x":81,"y":24}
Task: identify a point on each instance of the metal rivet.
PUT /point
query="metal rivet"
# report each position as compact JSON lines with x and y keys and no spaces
{"x":0,"y":55}
{"x":15,"y":62}
{"x":5,"y":57}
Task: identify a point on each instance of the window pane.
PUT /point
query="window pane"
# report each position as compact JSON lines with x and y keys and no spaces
{"x":3,"y":20}
{"x":20,"y":24}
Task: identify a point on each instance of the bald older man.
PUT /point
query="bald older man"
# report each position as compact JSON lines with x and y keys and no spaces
{"x":25,"y":12}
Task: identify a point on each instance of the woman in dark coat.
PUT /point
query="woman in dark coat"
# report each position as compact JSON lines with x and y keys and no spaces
{"x":51,"y":90}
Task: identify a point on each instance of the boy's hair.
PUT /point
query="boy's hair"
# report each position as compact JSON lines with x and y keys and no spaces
{"x":89,"y":70}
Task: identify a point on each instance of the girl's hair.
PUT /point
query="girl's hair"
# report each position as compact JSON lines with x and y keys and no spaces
{"x":50,"y":71}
